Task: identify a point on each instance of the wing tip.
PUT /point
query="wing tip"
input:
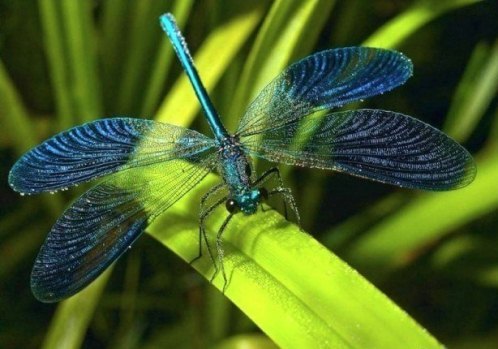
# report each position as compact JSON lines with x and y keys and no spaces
{"x":16,"y":179}
{"x":45,"y":296}
{"x":28,"y":180}
{"x":401,"y":63}
{"x":469,"y":172}
{"x":58,"y":274}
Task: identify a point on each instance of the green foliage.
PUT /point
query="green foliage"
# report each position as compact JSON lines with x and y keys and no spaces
{"x":322,"y":302}
{"x":434,"y":254}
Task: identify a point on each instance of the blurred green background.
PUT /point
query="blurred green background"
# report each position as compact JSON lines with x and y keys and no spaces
{"x":434,"y":254}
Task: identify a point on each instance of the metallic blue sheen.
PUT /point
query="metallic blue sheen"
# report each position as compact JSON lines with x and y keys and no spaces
{"x":168,"y":24}
{"x":233,"y":164}
{"x":151,"y":165}
{"x":102,"y":147}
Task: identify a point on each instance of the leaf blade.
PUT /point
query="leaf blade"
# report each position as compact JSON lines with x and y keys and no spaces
{"x":264,"y":263}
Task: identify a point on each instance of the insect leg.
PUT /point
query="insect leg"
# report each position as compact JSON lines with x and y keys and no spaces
{"x":220,"y":251}
{"x":204,"y":213}
{"x":288,"y":198}
{"x":273,"y":172}
{"x":267,"y":175}
{"x":203,"y":235}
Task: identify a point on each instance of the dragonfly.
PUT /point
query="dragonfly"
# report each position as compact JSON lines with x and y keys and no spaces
{"x":150,"y":165}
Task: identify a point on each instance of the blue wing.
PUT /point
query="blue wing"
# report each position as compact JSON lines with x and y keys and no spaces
{"x":99,"y":148}
{"x":380,"y":145}
{"x":103,"y":223}
{"x":325,"y":80}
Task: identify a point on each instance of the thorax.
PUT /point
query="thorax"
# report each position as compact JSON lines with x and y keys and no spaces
{"x":235,"y":169}
{"x":234,"y":165}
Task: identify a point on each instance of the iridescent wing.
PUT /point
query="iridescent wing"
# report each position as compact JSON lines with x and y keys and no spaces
{"x":99,"y":148}
{"x":380,"y":145}
{"x":104,"y":222}
{"x":324,"y":80}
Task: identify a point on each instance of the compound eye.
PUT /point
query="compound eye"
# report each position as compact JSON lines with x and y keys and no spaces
{"x":231,"y":206}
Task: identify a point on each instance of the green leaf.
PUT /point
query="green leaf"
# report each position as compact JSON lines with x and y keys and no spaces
{"x":15,"y":121}
{"x":281,"y":34}
{"x":71,"y":320}
{"x":339,"y":236}
{"x":389,"y":244}
{"x":475,"y":92}
{"x":420,"y":13}
{"x":114,"y":25}
{"x":20,"y":247}
{"x":77,"y":21}
{"x":247,"y":341}
{"x":57,"y":57}
{"x":293,"y":288}
{"x":144,"y":37}
{"x":163,"y":61}
{"x":493,"y":136}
